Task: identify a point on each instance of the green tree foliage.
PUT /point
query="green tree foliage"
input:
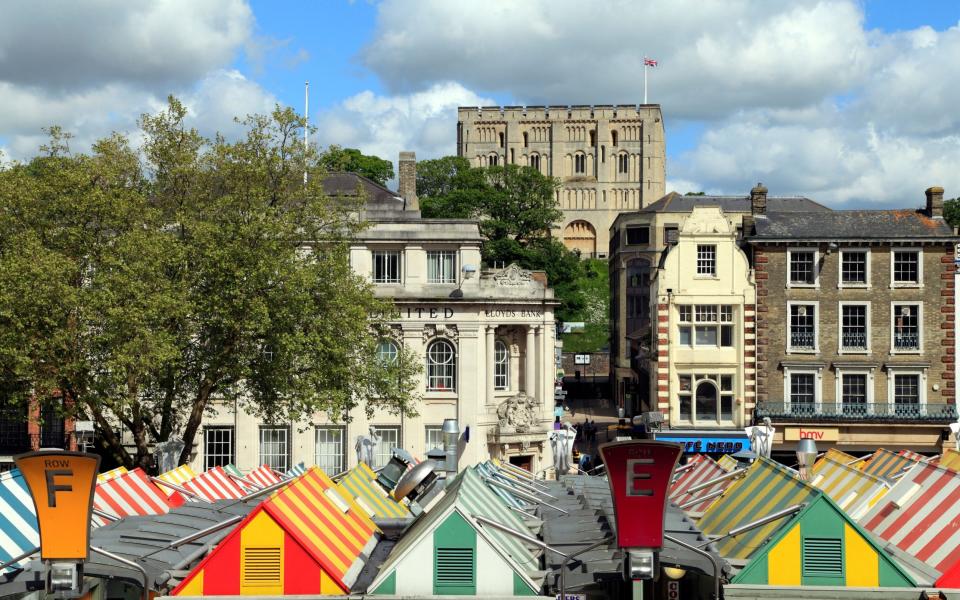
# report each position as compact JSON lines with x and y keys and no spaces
{"x":352,"y":160}
{"x":151,"y":285}
{"x":951,"y":211}
{"x":516,"y":207}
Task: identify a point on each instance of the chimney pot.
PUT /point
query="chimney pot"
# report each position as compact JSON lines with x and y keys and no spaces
{"x":758,"y":200}
{"x":408,"y":180}
{"x":935,"y":201}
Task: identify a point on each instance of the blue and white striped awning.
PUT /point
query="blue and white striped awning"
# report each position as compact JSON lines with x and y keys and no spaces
{"x":488,"y":469}
{"x":295,"y":471}
{"x":19,"y":531}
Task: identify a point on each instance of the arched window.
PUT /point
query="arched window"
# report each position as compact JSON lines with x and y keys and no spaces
{"x":580,"y":164}
{"x":500,"y":138}
{"x":501,"y":366}
{"x":493,"y":160}
{"x":593,"y":138}
{"x":535,"y":161}
{"x":441,"y":367}
{"x":387,"y":352}
{"x":526,"y":139}
{"x":623,"y":163}
{"x":613,"y":137}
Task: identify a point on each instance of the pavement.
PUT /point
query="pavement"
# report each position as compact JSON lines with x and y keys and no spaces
{"x":601,"y":411}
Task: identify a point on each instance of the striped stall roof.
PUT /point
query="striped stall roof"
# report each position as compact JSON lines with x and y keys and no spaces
{"x":838,"y":456}
{"x":232,"y":469}
{"x":887,"y":464}
{"x":728,"y":462}
{"x":921,"y":515}
{"x":308,"y":510}
{"x":112,"y":473}
{"x":131,"y":493}
{"x":214,"y":484}
{"x":19,"y":531}
{"x":913,"y":455}
{"x":295,"y":471}
{"x":263,"y":476}
{"x":852,"y":489}
{"x":359,"y":484}
{"x":706,"y":469}
{"x":766,"y":488}
{"x":950,"y":459}
{"x":178,"y":476}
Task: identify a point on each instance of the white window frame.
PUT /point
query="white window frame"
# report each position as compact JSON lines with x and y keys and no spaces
{"x":868,"y":324}
{"x":233,"y":445}
{"x":498,"y":365}
{"x":894,"y":305}
{"x":899,"y":284}
{"x":853,"y":250}
{"x":816,"y":327}
{"x":921,"y":372}
{"x":436,"y":254}
{"x":427,"y":431}
{"x":719,"y":324}
{"x":286,"y":443}
{"x":394,"y":353}
{"x":319,"y":459}
{"x":817,"y":373}
{"x":713,"y":265}
{"x":382,"y":454}
{"x":714,"y":377}
{"x":373,"y":266}
{"x":455,"y":372}
{"x":841,"y":371}
{"x":816,"y":266}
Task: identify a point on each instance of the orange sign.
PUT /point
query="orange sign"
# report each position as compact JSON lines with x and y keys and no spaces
{"x":62,"y":486}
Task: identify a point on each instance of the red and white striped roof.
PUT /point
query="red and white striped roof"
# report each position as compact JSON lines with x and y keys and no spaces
{"x":128,"y":494}
{"x":214,"y":484}
{"x":706,"y":469}
{"x":921,"y":515}
{"x":263,"y":476}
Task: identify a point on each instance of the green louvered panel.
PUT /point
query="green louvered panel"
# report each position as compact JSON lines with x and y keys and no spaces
{"x":822,"y":557}
{"x":455,"y":570}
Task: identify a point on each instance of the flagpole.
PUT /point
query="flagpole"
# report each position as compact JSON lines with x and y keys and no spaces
{"x":306,"y":123}
{"x":644,"y":80}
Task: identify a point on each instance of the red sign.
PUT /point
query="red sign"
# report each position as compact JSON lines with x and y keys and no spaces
{"x":639,"y":472}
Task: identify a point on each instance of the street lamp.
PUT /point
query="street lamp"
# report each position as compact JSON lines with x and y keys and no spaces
{"x":806,"y":456}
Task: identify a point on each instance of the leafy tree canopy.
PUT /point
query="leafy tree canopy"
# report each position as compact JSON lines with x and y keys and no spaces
{"x":951,"y":211}
{"x":517,"y":209}
{"x":352,"y":160}
{"x":148,"y":286}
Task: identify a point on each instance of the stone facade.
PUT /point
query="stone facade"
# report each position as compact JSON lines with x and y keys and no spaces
{"x":609,"y":159}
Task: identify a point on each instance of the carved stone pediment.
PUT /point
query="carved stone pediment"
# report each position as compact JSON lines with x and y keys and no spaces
{"x":448,"y":331}
{"x":513,"y":276}
{"x":518,"y":414}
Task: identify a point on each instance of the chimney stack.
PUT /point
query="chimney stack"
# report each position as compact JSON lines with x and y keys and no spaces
{"x":935,"y":201}
{"x":758,"y":200}
{"x":408,"y":180}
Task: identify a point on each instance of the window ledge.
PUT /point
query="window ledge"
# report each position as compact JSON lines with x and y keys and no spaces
{"x":853,"y":286}
{"x":908,"y":286}
{"x":438,"y":395}
{"x":809,"y":286}
{"x":905,"y":352}
{"x":802,"y":351}
{"x":853,"y":351}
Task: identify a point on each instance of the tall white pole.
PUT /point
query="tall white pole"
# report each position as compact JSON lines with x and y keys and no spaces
{"x":306,"y":123}
{"x":644,"y":80}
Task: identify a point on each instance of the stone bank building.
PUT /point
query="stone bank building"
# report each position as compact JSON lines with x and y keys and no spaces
{"x":609,"y":159}
{"x":486,"y":339}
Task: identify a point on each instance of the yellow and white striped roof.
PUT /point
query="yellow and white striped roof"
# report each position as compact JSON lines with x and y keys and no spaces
{"x":853,"y":490}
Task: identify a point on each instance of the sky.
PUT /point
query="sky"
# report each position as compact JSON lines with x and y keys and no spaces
{"x":853,"y":103}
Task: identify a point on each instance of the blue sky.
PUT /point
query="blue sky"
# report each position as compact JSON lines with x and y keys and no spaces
{"x":849,"y":102}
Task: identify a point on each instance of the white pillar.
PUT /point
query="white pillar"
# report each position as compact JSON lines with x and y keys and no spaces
{"x":538,"y":375}
{"x":529,"y":379}
{"x":489,"y":360}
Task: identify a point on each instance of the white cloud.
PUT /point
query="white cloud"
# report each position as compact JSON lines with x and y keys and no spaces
{"x":424,"y":121}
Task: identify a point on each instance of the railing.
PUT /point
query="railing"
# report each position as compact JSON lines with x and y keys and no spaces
{"x":854,"y":341}
{"x":909,"y":412}
{"x":906,"y":341}
{"x":802,"y":340}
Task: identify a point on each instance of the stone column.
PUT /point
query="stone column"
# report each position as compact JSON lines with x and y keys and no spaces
{"x":529,"y":377}
{"x":538,"y":376}
{"x":489,"y":361}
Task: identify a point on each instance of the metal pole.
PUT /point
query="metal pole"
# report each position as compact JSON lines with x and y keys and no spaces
{"x":761,"y":521}
{"x":525,"y":495}
{"x":563,"y":565}
{"x":713,"y":559}
{"x":178,"y":488}
{"x":710,"y":482}
{"x":517,"y":534}
{"x":523,"y":486}
{"x":696,"y":501}
{"x":129,"y":563}
{"x":17,"y":559}
{"x":105,"y":515}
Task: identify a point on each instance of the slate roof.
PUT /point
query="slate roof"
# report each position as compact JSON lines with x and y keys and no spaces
{"x":348,"y":184}
{"x":851,"y":224}
{"x":674,"y":202}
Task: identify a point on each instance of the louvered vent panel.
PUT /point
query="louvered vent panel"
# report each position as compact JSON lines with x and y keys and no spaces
{"x":822,"y":557}
{"x":261,"y":566}
{"x":455,"y":567}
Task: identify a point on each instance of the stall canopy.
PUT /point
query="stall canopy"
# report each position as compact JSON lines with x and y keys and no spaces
{"x":305,"y":539}
{"x":852,"y":489}
{"x":705,"y":470}
{"x":214,"y":484}
{"x":131,"y":493}
{"x":108,"y":475}
{"x":888,"y":465}
{"x":263,"y":476}
{"x":359,"y":484}
{"x":18,"y":518}
{"x":921,"y":515}
{"x":838,"y":456}
{"x":950,"y":459}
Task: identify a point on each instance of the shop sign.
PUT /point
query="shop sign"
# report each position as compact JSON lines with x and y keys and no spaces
{"x":697,"y":445}
{"x":819,"y":434}
{"x":673,"y":590}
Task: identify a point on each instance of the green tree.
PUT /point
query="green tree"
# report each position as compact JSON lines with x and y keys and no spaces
{"x":951,"y":211}
{"x":517,"y":209}
{"x":150,"y":286}
{"x":352,"y":160}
